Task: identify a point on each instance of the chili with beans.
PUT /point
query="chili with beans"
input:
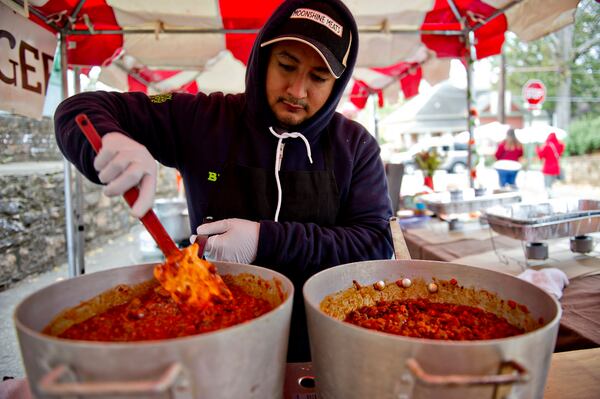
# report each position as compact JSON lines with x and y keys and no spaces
{"x":156,"y":315}
{"x":422,"y":318}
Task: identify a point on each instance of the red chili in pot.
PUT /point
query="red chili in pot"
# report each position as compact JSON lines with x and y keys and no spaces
{"x":156,"y":315}
{"x":422,"y":318}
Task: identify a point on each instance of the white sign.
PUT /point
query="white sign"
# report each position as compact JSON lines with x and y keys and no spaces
{"x":26,"y":57}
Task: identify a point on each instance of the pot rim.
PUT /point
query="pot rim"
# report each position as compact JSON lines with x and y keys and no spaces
{"x":240,"y":327}
{"x":393,"y":337}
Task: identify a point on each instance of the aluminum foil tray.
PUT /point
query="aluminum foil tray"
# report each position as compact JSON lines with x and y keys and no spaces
{"x":533,"y":222}
{"x":444,"y":203}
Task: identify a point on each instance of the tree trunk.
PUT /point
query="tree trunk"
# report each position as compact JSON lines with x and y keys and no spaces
{"x":563,"y":105}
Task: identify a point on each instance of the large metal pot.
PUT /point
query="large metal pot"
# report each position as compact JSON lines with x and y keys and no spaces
{"x":351,"y":362}
{"x":244,"y":361}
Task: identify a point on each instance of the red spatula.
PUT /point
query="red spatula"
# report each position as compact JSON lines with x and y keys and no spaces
{"x":149,"y":220}
{"x":184,"y":275}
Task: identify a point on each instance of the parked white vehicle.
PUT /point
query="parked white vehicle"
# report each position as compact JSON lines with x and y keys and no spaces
{"x":454,"y":155}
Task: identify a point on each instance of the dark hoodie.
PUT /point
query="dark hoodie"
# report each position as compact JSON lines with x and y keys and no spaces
{"x":194,"y":133}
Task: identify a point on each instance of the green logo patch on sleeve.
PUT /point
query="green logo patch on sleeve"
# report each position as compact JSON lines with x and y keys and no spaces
{"x":160,"y":98}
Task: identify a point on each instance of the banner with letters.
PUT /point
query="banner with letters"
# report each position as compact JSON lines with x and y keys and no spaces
{"x":26,"y":57}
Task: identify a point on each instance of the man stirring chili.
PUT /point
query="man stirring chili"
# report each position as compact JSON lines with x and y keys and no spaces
{"x":291,"y":184}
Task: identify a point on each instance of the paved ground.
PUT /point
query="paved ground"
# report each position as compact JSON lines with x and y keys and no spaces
{"x":126,"y":250}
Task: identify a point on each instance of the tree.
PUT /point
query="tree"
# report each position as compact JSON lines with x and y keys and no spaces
{"x":567,"y":61}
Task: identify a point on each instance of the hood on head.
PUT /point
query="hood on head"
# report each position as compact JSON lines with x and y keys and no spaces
{"x":552,"y":139}
{"x":258,"y":109}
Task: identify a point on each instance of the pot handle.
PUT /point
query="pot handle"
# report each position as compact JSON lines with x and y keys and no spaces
{"x":50,"y":384}
{"x":521,"y":376}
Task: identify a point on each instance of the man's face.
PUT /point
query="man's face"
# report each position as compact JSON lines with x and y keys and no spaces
{"x":298,"y":82}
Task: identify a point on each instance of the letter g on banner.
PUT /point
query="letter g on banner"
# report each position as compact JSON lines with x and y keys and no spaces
{"x":26,"y":56}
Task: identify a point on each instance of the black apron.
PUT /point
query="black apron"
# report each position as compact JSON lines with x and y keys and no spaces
{"x":307,"y":196}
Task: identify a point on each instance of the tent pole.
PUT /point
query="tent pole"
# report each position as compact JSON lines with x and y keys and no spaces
{"x":185,"y":31}
{"x":374,"y":98}
{"x":469,"y":58}
{"x":502,"y":89}
{"x":456,"y":13}
{"x":496,"y":13}
{"x":78,"y":205}
{"x":72,"y":271}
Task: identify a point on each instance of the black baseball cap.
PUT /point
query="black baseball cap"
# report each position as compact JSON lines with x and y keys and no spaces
{"x":322,"y":27}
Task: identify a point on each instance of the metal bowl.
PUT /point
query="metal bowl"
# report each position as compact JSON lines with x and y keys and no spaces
{"x":243,"y":361}
{"x":352,"y":362}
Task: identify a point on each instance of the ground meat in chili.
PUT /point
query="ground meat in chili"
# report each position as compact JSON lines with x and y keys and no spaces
{"x":422,"y":318}
{"x":156,"y":316}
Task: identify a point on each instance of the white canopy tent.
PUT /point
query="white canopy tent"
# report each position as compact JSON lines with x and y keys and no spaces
{"x":165,"y":35}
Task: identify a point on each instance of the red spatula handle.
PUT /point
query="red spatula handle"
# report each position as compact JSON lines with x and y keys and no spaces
{"x":149,"y":220}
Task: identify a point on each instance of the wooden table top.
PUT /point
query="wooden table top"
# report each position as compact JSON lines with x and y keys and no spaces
{"x":574,"y":374}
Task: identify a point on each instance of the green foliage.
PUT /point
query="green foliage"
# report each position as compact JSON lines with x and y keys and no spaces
{"x":540,"y":59}
{"x":428,"y":161}
{"x":584,"y":136}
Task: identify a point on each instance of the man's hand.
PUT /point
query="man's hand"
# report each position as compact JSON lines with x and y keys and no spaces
{"x":234,"y":240}
{"x":123,"y":163}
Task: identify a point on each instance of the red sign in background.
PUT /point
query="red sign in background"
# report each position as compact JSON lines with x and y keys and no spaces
{"x":534,"y":93}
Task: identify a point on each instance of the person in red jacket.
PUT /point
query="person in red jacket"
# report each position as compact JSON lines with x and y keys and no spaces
{"x":511,"y":150}
{"x":550,"y":154}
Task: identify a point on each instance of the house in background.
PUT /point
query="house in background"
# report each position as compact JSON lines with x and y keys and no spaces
{"x":442,"y":112}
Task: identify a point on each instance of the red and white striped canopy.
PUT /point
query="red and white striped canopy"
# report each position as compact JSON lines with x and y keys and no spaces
{"x":194,"y":45}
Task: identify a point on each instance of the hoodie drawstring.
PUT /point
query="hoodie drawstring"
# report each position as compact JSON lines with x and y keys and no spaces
{"x":279,"y":159}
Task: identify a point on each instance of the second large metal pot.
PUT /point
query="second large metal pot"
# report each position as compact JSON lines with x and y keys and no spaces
{"x":243,"y":361}
{"x":351,"y":362}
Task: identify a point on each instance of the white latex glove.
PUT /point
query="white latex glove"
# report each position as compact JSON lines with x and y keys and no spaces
{"x":234,"y":240}
{"x":123,"y":163}
{"x":551,"y":279}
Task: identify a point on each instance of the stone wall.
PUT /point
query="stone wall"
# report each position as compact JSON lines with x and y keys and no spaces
{"x":31,"y":224}
{"x":32,"y":219}
{"x":32,"y":211}
{"x":25,"y":139}
{"x":582,"y":169}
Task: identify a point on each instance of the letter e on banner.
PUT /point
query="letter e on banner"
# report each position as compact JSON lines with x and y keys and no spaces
{"x":26,"y":56}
